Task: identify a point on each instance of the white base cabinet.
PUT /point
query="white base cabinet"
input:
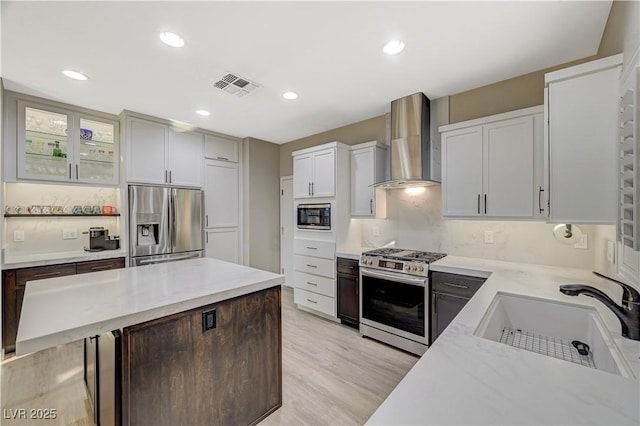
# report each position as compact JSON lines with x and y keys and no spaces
{"x":492,"y":167}
{"x":314,"y":285}
{"x":582,"y":104}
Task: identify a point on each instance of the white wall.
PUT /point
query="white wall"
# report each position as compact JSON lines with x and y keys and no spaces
{"x":415,"y":222}
{"x":44,"y":235}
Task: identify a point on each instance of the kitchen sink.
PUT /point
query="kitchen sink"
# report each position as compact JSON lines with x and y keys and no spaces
{"x":561,"y":330}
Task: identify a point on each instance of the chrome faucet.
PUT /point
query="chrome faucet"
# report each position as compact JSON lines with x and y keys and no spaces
{"x":628,"y":313}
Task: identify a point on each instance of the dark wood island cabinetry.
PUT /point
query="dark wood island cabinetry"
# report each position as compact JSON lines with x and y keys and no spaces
{"x":176,"y":372}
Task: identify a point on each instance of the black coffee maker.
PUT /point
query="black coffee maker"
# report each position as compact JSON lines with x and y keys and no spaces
{"x":97,"y":238}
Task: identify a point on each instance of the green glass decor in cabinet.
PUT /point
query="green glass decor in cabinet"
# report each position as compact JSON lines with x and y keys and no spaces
{"x":55,"y":144}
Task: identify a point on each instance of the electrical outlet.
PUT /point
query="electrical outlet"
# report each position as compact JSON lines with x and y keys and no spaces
{"x":611,"y":252}
{"x":69,"y":233}
{"x":209,"y":320}
{"x":582,"y":244}
{"x":376,"y":231}
{"x":18,"y":235}
{"x":488,"y":237}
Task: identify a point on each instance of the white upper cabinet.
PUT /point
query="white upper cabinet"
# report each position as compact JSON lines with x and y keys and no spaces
{"x":314,"y":173}
{"x":163,"y":155}
{"x":185,"y":152}
{"x":368,"y":166}
{"x":65,"y":145}
{"x":222,"y":203}
{"x":582,"y":104}
{"x":146,"y":147}
{"x":221,"y":148}
{"x":492,"y":167}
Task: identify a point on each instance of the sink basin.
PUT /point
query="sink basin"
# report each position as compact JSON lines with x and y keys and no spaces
{"x":549,"y":328}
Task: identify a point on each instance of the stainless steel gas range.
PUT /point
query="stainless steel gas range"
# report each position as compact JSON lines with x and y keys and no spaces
{"x":394,"y":292}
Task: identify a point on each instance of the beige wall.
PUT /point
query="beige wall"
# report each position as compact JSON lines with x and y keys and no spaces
{"x":262,"y":202}
{"x":373,"y":129}
{"x":620,"y":35}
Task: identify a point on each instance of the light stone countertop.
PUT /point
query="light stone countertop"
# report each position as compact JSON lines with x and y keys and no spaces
{"x":65,"y":309}
{"x":466,"y":379}
{"x":43,"y":259}
{"x":351,"y":252}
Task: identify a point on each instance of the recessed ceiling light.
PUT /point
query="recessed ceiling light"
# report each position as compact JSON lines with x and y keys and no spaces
{"x":393,"y":47}
{"x":290,"y":95}
{"x":171,"y":39}
{"x":75,"y":75}
{"x":203,"y":112}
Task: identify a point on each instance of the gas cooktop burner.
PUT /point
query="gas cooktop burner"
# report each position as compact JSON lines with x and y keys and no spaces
{"x":384,"y":251}
{"x":399,"y":260}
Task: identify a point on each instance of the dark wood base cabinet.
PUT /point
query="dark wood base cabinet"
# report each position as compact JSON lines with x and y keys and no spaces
{"x":348,"y":292}
{"x":14,"y":282}
{"x":449,"y":294}
{"x":178,"y":372}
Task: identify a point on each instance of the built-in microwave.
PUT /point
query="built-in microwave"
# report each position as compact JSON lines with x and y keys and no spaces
{"x":314,"y":216}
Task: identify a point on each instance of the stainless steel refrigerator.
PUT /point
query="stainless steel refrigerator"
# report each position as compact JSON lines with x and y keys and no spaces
{"x":165,"y":224}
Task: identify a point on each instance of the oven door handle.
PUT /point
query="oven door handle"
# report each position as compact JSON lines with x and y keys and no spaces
{"x":394,"y":277}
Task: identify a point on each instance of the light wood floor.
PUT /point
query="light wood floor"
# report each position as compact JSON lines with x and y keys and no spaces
{"x":331,"y":375}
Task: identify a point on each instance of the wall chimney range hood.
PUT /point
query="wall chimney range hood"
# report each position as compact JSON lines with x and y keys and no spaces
{"x":415,"y":158}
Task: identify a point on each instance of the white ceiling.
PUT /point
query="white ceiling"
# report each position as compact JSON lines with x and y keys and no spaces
{"x":328,"y":52}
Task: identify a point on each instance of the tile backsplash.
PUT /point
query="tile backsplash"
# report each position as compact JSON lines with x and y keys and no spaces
{"x":415,"y":222}
{"x":43,"y":235}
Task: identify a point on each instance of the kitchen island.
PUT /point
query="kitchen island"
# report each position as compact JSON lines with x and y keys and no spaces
{"x":201,"y":338}
{"x":467,"y":379}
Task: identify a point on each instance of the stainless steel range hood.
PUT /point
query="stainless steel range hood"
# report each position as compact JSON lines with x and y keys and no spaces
{"x":415,"y":160}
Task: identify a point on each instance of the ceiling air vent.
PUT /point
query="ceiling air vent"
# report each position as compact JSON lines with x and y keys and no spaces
{"x":236,"y":85}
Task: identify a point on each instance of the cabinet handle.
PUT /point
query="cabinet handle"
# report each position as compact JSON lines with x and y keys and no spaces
{"x":206,"y":237}
{"x":313,"y":192}
{"x":485,"y":203}
{"x":478,"y":203}
{"x":206,"y":220}
{"x":165,"y":177}
{"x":222,"y":158}
{"x":312,"y":248}
{"x":312,"y":301}
{"x":434,"y":305}
{"x":77,"y":174}
{"x":309,"y":190}
{"x":97,"y":268}
{"x":46,"y":274}
{"x":170,"y":176}
{"x":540,"y":191}
{"x":312,"y":266}
{"x":456,"y":285}
{"x":310,"y":283}
{"x":371,"y":205}
{"x":69,"y":171}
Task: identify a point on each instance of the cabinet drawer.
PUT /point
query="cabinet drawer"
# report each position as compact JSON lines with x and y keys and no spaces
{"x":99,"y":265}
{"x":316,"y":248}
{"x":347,"y":266}
{"x":317,"y":302}
{"x":315,"y":283}
{"x":456,"y":285}
{"x":315,"y":265}
{"x":42,"y":272}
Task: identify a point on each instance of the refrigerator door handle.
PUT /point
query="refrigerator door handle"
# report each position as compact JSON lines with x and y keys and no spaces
{"x":172,"y":219}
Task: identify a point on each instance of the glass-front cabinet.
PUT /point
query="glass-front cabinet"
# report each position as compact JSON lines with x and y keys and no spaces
{"x":55,"y":144}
